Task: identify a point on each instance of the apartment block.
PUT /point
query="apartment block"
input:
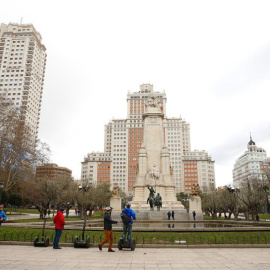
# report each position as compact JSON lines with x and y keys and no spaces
{"x":124,"y":138}
{"x":22,"y":68}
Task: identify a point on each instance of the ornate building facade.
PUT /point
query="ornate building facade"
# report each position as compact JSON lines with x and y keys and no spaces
{"x":250,"y":165}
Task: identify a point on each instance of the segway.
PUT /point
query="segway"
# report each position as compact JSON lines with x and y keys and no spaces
{"x":81,"y":243}
{"x":122,"y":244}
{"x":44,"y":242}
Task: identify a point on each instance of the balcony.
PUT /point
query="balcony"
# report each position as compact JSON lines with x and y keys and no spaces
{"x":26,"y":88}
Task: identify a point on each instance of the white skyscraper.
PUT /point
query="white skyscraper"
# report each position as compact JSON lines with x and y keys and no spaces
{"x":22,"y":67}
{"x":250,"y":165}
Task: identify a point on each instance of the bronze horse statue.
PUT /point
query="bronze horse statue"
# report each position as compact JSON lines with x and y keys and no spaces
{"x":151,"y":201}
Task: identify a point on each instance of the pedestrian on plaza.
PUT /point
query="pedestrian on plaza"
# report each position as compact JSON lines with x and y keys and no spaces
{"x":49,"y":213}
{"x":194,"y":215}
{"x":127,"y":225}
{"x":169,"y":215}
{"x":59,"y":222}
{"x":3,"y":216}
{"x":108,"y":229}
{"x":172,"y":214}
{"x":76,"y":211}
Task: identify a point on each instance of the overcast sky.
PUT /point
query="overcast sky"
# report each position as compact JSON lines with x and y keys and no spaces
{"x":211,"y":57}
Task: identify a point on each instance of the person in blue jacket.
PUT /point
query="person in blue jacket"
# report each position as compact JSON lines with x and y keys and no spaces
{"x":3,"y":216}
{"x":128,"y":227}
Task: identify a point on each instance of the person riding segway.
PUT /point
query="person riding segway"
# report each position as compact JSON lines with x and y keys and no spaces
{"x":127,"y":216}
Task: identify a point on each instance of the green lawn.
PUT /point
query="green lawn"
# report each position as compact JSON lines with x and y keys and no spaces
{"x":21,"y":210}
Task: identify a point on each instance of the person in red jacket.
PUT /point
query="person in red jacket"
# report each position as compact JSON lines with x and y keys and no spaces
{"x":59,"y":222}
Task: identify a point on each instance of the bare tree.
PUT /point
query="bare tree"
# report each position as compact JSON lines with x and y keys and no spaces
{"x":17,"y":157}
{"x":253,"y":196}
{"x":211,"y":202}
{"x":89,"y":198}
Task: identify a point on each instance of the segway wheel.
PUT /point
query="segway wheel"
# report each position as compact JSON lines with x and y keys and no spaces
{"x":133,"y":244}
{"x":35,"y":241}
{"x":75,"y":242}
{"x":87,"y":243}
{"x":47,"y":241}
{"x":120,"y":244}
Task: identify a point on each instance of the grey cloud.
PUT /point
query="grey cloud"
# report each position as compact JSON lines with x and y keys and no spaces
{"x":255,"y":69}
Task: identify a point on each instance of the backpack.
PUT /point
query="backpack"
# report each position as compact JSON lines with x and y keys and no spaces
{"x":125,"y":218}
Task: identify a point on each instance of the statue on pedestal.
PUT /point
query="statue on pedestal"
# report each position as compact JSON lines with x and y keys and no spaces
{"x":151,"y":198}
{"x":171,"y":170}
{"x":153,"y":101}
{"x":154,"y":173}
{"x":116,"y":191}
{"x":158,"y":201}
{"x":195,"y":190}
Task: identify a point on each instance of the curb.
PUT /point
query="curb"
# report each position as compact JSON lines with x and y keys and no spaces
{"x":18,"y":243}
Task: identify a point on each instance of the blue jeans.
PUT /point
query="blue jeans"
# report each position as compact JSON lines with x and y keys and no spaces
{"x":57,"y":236}
{"x":127,"y":229}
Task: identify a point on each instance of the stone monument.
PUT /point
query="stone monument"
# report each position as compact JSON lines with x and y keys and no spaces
{"x":195,"y":203}
{"x":154,"y":168}
{"x":115,"y":200}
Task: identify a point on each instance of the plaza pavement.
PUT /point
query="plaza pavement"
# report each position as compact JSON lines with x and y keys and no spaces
{"x":28,"y":257}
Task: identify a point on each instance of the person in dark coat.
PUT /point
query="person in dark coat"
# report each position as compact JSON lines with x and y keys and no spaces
{"x":169,"y":215}
{"x":194,"y":215}
{"x":59,"y":222}
{"x":108,"y":229}
{"x":172,"y":214}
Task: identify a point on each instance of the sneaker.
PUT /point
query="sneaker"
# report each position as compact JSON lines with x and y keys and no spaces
{"x":111,"y":250}
{"x":99,"y":247}
{"x":57,"y":247}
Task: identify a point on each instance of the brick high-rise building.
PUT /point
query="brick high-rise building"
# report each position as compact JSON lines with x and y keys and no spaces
{"x":53,"y":172}
{"x":22,"y":67}
{"x":123,"y":140}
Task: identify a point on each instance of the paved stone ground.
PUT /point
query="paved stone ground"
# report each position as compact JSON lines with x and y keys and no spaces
{"x":27,"y":257}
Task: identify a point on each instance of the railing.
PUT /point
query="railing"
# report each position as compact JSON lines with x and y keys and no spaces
{"x":147,"y":239}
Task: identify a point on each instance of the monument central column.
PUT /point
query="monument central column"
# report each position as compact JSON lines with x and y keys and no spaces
{"x":154,"y":161}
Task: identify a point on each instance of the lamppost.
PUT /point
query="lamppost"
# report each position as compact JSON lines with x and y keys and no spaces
{"x":1,"y":190}
{"x":83,"y":190}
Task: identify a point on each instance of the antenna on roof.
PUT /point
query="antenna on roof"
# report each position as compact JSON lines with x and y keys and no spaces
{"x":21,"y":21}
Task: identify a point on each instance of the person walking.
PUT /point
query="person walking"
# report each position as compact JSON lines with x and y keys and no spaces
{"x":59,"y":222}
{"x":172,"y":214}
{"x":108,"y":229}
{"x":169,"y":215}
{"x":127,"y":226}
{"x":194,"y":215}
{"x":49,"y":213}
{"x":3,"y":216}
